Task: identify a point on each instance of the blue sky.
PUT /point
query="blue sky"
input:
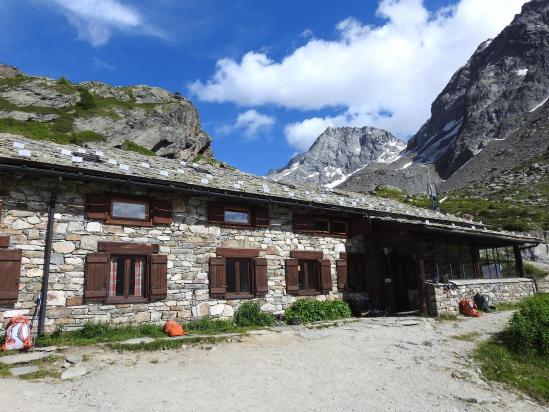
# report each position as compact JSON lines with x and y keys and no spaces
{"x":267,"y":76}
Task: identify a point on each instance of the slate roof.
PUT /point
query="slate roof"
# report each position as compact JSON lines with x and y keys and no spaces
{"x":115,"y":162}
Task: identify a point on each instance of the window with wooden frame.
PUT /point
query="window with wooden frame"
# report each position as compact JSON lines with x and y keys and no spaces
{"x":126,"y":273}
{"x":320,"y":225}
{"x":234,"y":215}
{"x":10,"y":271}
{"x":238,"y":274}
{"x":308,"y":273}
{"x":128,"y":210}
{"x":351,"y":272}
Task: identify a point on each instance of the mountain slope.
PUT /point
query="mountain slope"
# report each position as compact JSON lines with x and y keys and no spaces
{"x":485,"y":102}
{"x":149,"y":119}
{"x":338,"y":153}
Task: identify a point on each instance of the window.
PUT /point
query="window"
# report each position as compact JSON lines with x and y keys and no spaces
{"x":308,"y":276}
{"x":238,"y":274}
{"x":238,"y":215}
{"x":320,"y":225}
{"x":307,"y":273}
{"x":498,"y":263}
{"x":128,"y":210}
{"x":126,"y":273}
{"x":10,"y":270}
{"x":127,"y":277}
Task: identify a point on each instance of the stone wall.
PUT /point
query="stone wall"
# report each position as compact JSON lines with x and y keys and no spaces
{"x":442,"y":300}
{"x":189,"y":242}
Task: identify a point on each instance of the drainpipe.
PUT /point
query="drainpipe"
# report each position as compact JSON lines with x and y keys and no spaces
{"x":47,"y":260}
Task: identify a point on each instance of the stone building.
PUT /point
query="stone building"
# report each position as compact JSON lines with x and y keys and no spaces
{"x":114,"y":236}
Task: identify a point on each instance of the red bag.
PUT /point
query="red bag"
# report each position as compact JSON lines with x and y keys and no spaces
{"x":172,"y":328}
{"x":468,"y":308}
{"x":18,"y":334}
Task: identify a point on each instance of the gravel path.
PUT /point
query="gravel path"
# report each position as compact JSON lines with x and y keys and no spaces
{"x":394,"y":364}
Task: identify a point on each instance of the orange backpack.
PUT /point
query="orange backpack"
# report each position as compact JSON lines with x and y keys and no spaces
{"x":468,"y":308}
{"x":172,"y":328}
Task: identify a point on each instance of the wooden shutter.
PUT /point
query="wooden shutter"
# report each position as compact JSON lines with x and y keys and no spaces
{"x":302,"y":223}
{"x":292,"y":278}
{"x":341,"y":270}
{"x":218,"y":277}
{"x":262,"y":217}
{"x":98,"y":206}
{"x":261,"y":285}
{"x":10,"y":270}
{"x":158,"y":272}
{"x":98,"y":269}
{"x":4,"y":241}
{"x":216,"y":212}
{"x":162,"y":212}
{"x":325,"y":275}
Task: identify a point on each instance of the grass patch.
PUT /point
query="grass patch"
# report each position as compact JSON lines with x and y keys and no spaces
{"x":207,"y":326}
{"x":527,"y":372}
{"x":308,"y":310}
{"x":93,"y":333}
{"x":4,"y":371}
{"x":41,"y":374}
{"x":130,"y":146}
{"x":164,"y":344}
{"x":534,"y":272}
{"x":507,"y":306}
{"x":249,"y":314}
{"x":467,"y":337}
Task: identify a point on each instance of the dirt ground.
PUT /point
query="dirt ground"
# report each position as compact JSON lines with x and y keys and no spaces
{"x":393,"y":364}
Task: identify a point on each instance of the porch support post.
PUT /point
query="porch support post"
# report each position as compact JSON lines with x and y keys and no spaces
{"x":420,"y":264}
{"x":475,"y":254}
{"x":518,"y":261}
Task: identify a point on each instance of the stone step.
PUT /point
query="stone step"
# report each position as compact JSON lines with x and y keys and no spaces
{"x":23,"y":370}
{"x":23,"y":358}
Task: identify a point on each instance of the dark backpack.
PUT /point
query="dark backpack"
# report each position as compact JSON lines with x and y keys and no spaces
{"x":482,"y":302}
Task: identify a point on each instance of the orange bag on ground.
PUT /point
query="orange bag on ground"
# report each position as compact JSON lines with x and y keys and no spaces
{"x":468,"y":308}
{"x":18,"y":334}
{"x":172,"y":328}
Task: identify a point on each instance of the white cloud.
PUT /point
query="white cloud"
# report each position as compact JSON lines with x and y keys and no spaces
{"x":398,"y":67}
{"x":97,"y":20}
{"x":250,"y":122}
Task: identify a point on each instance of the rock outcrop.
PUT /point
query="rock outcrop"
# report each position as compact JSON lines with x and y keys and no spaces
{"x":489,"y":100}
{"x":338,"y":153}
{"x":150,"y":117}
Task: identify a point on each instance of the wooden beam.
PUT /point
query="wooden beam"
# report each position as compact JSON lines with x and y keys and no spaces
{"x":306,"y":254}
{"x":128,"y":248}
{"x":518,"y":262}
{"x":237,"y":252}
{"x":420,"y":268}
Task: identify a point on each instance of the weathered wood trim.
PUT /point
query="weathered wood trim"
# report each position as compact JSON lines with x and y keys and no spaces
{"x":128,"y":248}
{"x":237,"y":252}
{"x":4,"y":241}
{"x":306,"y":254}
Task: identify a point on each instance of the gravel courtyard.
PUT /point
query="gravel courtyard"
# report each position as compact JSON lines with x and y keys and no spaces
{"x":401,"y":364}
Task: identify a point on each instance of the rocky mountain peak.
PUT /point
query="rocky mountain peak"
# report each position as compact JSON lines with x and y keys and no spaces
{"x":338,"y":153}
{"x":145,"y":118}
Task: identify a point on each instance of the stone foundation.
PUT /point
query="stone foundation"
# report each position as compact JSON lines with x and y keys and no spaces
{"x":442,"y":300}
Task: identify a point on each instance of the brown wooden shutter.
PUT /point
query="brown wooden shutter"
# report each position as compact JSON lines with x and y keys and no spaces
{"x":261,"y":285}
{"x":97,"y":276}
{"x":216,"y":212}
{"x":302,"y":223}
{"x":292,"y":278}
{"x":162,"y":212}
{"x":98,"y":206}
{"x":325,"y":275}
{"x":158,"y":277}
{"x":10,"y":270}
{"x":218,"y":277}
{"x":4,"y":241}
{"x":341,"y":270}
{"x":262,"y":216}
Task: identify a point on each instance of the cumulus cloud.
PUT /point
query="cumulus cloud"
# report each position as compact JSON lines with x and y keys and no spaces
{"x":384,"y":76}
{"x":250,"y":123}
{"x":97,"y":20}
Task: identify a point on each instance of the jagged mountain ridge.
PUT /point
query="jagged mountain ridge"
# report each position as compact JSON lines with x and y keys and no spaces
{"x":487,"y":100}
{"x":338,"y":153}
{"x":150,"y":117}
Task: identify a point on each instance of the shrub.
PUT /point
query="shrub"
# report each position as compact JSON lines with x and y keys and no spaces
{"x":86,"y":100}
{"x":64,"y":81}
{"x":528,"y":330}
{"x":306,"y":310}
{"x":250,"y":314}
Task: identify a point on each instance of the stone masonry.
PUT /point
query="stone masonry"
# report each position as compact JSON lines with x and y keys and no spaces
{"x":443,"y":300}
{"x":189,"y":242}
